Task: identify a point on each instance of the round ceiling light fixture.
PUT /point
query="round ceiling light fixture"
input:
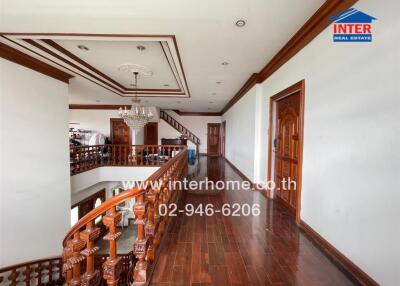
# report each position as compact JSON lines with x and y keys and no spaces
{"x":98,"y":100}
{"x":214,"y":93}
{"x":166,"y":85}
{"x":224,"y":63}
{"x":83,"y":48}
{"x":240,"y":23}
{"x":141,"y":48}
{"x":218,"y":82}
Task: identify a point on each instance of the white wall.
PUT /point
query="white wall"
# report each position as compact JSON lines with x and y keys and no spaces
{"x":34,"y":165}
{"x":89,"y":178}
{"x":240,"y":133}
{"x":351,"y":164}
{"x":196,"y":124}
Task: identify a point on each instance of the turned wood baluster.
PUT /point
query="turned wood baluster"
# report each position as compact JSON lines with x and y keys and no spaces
{"x":91,"y":277}
{"x":112,"y":267}
{"x":77,"y":245}
{"x":150,"y":226}
{"x":139,"y":247}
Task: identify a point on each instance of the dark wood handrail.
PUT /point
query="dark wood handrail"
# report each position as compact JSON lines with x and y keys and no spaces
{"x":85,"y":158}
{"x":79,"y":243}
{"x":182,"y":129}
{"x":23,"y":264}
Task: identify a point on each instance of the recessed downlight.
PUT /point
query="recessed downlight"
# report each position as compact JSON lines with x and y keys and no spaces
{"x":211,"y":102}
{"x":141,"y":48}
{"x":98,"y":100}
{"x":240,"y":23}
{"x":133,"y":85}
{"x":224,"y":63}
{"x":178,"y":102}
{"x":166,"y":85}
{"x":214,"y":93}
{"x":218,"y":82}
{"x":83,"y":48}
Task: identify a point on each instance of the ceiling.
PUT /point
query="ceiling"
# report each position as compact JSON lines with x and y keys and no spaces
{"x":186,"y":43}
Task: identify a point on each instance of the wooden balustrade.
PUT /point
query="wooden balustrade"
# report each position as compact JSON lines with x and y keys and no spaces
{"x":38,"y":272}
{"x":79,"y":267}
{"x":84,"y":158}
{"x":180,"y":128}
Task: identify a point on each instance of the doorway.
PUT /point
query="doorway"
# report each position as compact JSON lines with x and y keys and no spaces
{"x":213,"y":139}
{"x":223,"y":136}
{"x":120,"y":133}
{"x":285,"y":148}
{"x":151,"y":133}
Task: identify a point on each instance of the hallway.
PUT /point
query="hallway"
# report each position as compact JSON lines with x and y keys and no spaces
{"x":223,"y":250}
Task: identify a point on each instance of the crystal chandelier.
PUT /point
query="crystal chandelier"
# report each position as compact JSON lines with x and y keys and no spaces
{"x":138,"y":116}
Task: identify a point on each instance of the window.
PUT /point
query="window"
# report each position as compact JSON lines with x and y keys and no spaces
{"x":96,"y":204}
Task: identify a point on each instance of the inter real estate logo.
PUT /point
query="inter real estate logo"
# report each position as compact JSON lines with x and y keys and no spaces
{"x":352,"y":26}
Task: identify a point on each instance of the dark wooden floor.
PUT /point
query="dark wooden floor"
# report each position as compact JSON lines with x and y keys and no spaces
{"x":265,"y":250}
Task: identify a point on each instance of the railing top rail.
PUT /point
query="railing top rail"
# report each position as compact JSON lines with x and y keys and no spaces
{"x":22,"y":264}
{"x":102,"y":145}
{"x":163,"y":113}
{"x":108,"y":204}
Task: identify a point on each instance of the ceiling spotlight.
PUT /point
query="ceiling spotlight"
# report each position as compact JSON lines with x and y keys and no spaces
{"x":83,"y":48}
{"x":133,"y":85}
{"x":166,"y":85}
{"x":240,"y":23}
{"x":218,"y":82}
{"x":211,"y":102}
{"x":141,"y":48}
{"x":98,"y":100}
{"x":224,"y":63}
{"x":214,"y":93}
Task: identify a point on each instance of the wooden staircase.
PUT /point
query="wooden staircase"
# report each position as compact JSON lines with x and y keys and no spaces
{"x":181,"y":129}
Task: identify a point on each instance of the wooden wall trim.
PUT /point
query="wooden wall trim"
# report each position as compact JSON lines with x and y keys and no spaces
{"x":312,"y":28}
{"x":97,"y":106}
{"x":196,"y":113}
{"x":18,"y":57}
{"x":342,"y":261}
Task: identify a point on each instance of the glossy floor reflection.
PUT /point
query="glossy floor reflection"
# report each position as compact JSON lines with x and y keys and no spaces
{"x":264,"y":250}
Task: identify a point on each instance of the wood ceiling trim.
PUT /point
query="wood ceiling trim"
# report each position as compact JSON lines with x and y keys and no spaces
{"x":98,"y":106}
{"x":196,"y":113}
{"x":67,"y":53}
{"x":18,"y":57}
{"x":162,"y":93}
{"x":312,"y":28}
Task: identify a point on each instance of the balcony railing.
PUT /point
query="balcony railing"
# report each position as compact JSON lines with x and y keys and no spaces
{"x":79,"y":265}
{"x":84,"y":158}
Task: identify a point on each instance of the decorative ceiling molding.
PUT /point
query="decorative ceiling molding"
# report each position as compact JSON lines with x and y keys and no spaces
{"x":25,"y":60}
{"x":312,"y":28}
{"x":98,"y":106}
{"x":195,"y":113}
{"x":45,"y":46}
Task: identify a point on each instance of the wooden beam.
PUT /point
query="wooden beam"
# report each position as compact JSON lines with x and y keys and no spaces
{"x":18,"y":57}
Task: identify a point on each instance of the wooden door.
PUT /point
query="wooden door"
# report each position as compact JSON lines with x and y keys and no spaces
{"x":223,"y":136}
{"x":151,"y":133}
{"x":213,"y":139}
{"x":120,"y":134}
{"x":287,"y":149}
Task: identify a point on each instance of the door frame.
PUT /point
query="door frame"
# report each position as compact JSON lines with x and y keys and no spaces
{"x":222,"y":136}
{"x":219,"y":140}
{"x":297,"y":87}
{"x":112,"y":131}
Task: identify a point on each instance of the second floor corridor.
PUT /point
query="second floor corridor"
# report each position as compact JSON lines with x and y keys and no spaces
{"x":268,"y":249}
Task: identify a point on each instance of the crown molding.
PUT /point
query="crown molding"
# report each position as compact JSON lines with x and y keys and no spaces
{"x":312,"y":28}
{"x":97,"y":106}
{"x":18,"y":57}
{"x":196,"y":113}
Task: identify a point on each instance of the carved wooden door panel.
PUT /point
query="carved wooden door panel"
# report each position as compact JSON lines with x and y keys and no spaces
{"x":213,"y":139}
{"x":287,"y":149}
{"x":120,"y":135}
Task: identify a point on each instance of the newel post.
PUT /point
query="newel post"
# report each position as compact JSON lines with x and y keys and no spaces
{"x":150,"y":224}
{"x":139,"y":247}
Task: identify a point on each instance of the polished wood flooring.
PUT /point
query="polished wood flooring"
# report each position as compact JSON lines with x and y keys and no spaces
{"x":265,"y":250}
